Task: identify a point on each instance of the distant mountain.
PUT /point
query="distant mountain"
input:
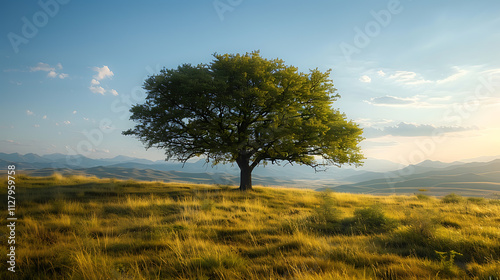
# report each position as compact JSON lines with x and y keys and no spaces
{"x":27,"y":158}
{"x":471,"y":179}
{"x":437,"y":164}
{"x":422,"y":167}
{"x":121,"y":159}
{"x":56,"y":156}
{"x":481,"y":159}
{"x":378,"y":165}
{"x":164,"y":176}
{"x":482,"y":178}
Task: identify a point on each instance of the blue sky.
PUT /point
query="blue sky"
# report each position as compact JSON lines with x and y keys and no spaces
{"x":422,"y":77}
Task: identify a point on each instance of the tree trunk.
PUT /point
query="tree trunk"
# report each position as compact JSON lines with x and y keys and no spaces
{"x":245,"y":177}
{"x":245,"y":172}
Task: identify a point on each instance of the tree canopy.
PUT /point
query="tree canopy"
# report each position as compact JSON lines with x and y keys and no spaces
{"x":246,"y":109}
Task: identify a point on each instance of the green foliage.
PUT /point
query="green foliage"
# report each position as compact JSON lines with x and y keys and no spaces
{"x":423,"y":224}
{"x":327,"y":212}
{"x":248,"y":110}
{"x":423,"y":197}
{"x":452,"y":198}
{"x":371,"y":220}
{"x":477,"y":200}
{"x":326,"y":217}
{"x":207,"y":205}
{"x":447,"y":261}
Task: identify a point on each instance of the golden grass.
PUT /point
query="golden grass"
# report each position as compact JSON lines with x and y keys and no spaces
{"x":89,"y":228}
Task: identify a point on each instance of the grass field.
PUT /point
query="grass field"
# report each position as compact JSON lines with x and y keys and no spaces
{"x":89,"y":228}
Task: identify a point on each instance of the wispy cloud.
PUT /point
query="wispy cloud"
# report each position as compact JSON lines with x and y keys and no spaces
{"x":10,"y":142}
{"x":408,"y":78}
{"x":417,"y":101}
{"x":366,"y":122}
{"x":391,"y":101}
{"x":412,"y":130}
{"x":52,"y":73}
{"x":29,"y":113}
{"x":460,"y":73}
{"x":42,"y":67}
{"x":413,"y":78}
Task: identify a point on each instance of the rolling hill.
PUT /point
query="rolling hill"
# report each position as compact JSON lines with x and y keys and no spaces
{"x":436,"y":178}
{"x":470,"y":179}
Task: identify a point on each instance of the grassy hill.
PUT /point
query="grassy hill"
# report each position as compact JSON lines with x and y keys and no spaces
{"x":87,"y":228}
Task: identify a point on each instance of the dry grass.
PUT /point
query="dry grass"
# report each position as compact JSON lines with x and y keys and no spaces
{"x":89,"y":228}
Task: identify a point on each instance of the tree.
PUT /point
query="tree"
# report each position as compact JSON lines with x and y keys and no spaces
{"x":248,"y":110}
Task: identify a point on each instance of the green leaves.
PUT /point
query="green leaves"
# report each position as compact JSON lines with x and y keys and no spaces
{"x":245,"y":106}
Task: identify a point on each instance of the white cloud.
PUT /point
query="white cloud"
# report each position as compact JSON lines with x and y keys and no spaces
{"x":417,"y":101}
{"x":67,"y":122}
{"x":29,"y":113}
{"x":365,"y":122}
{"x":391,"y":101}
{"x":365,"y":79}
{"x":52,"y":74}
{"x":454,"y":77}
{"x":36,"y":125}
{"x":85,"y":119}
{"x":11,"y":141}
{"x":408,"y":78}
{"x":74,"y":112}
{"x":102,"y":72}
{"x":63,"y":75}
{"x":381,"y":73}
{"x":97,"y":89}
{"x":412,"y":129}
{"x":47,"y":68}
{"x":44,"y":117}
{"x":42,"y":67}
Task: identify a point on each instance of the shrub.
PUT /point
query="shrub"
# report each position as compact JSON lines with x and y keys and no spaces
{"x":423,"y":197}
{"x":326,"y":217}
{"x":448,"y":262}
{"x":369,"y":221}
{"x":422,"y":223}
{"x":207,"y":204}
{"x":477,"y":200}
{"x":452,"y":198}
{"x":327,"y":212}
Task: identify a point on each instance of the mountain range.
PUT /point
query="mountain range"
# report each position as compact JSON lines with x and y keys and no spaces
{"x":376,"y":177}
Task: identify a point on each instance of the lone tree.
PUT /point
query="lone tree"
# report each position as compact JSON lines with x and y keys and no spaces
{"x":248,"y":110}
